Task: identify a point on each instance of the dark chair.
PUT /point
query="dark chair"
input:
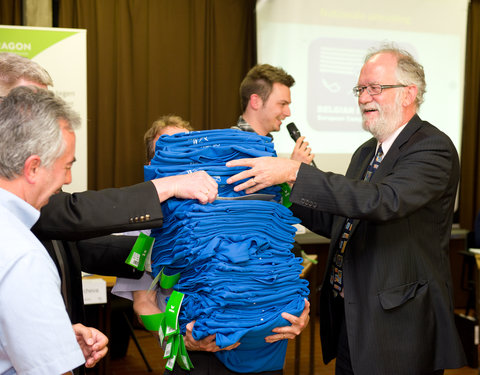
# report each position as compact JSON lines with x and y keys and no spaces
{"x":467,"y":324}
{"x":467,"y":276}
{"x":473,"y":237}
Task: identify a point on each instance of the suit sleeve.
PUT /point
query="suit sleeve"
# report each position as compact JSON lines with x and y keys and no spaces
{"x":89,"y":214}
{"x":317,"y":221}
{"x":410,"y":177}
{"x":106,"y":256}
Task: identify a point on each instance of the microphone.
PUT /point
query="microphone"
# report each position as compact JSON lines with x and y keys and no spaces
{"x":295,"y":134}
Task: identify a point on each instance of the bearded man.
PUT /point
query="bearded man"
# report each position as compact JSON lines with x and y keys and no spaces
{"x":386,"y":300}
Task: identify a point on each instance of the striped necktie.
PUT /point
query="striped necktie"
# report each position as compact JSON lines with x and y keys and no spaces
{"x":336,"y":277}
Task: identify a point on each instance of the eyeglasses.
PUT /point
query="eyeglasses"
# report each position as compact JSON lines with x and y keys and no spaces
{"x":373,"y":89}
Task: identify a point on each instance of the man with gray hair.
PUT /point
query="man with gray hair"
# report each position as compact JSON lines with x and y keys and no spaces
{"x":84,"y":216}
{"x":37,"y":150}
{"x":386,"y":304}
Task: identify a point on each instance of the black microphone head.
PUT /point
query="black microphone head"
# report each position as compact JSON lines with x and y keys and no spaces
{"x":293,"y":130}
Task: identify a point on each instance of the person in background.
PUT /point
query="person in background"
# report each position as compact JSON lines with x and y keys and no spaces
{"x":168,"y":124}
{"x":386,"y":304}
{"x":265,"y":101}
{"x":144,"y":301}
{"x":70,"y":224}
{"x":37,"y":150}
{"x":148,"y":302}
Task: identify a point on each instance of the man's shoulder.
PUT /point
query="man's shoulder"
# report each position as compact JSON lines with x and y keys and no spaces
{"x":422,"y":130}
{"x":19,"y":246}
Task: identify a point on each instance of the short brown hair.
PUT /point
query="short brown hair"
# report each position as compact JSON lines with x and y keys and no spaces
{"x":159,"y":124}
{"x":260,"y":79}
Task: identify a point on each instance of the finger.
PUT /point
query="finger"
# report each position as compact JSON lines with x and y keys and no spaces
{"x":241,"y":163}
{"x":201,"y":196}
{"x":240,"y":176}
{"x":85,"y":333}
{"x":306,"y":309}
{"x":277,"y":337}
{"x":212,"y":195}
{"x":254,"y":189}
{"x":98,"y":355}
{"x":207,"y":340}
{"x":90,"y":362}
{"x":303,"y":146}
{"x":291,"y":318}
{"x":299,"y":141}
{"x":249,"y":186}
{"x":230,"y":347}
{"x":102,"y":342}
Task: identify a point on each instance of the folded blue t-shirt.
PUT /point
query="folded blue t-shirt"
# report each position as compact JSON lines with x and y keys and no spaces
{"x":238,"y":273}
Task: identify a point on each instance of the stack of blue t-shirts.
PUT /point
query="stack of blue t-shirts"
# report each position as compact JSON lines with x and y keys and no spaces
{"x":237,"y":271}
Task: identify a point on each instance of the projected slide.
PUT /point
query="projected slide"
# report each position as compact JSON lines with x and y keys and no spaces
{"x":333,"y":65}
{"x":323,"y":44}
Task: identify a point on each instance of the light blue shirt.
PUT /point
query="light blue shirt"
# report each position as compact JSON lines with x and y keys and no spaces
{"x":36,"y":336}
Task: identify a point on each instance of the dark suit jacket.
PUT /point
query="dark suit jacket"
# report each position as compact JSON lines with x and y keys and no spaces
{"x":398,"y":289}
{"x":83,"y":216}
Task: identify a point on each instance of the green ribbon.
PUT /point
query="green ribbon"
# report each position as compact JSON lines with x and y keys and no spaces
{"x":165,"y":281}
{"x":169,"y":329}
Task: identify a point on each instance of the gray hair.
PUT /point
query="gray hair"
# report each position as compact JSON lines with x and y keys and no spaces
{"x":29,"y":125}
{"x":14,"y":67}
{"x":408,"y":72}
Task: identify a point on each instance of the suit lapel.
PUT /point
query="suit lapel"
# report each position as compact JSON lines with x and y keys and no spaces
{"x":356,"y":170}
{"x":367,"y":153}
{"x":394,"y":152}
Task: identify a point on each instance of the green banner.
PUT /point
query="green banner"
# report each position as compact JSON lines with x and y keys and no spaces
{"x":29,"y":42}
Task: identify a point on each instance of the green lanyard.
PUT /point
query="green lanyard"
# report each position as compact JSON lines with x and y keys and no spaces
{"x":168,"y":329}
{"x":165,"y":323}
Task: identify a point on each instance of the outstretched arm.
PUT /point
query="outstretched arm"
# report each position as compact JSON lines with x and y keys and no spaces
{"x":79,"y":216}
{"x":263,"y":172}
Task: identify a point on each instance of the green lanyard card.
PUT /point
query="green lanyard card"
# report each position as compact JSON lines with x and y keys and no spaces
{"x":140,"y":252}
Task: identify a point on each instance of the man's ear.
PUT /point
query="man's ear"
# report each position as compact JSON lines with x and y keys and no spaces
{"x":31,"y":168}
{"x":410,"y":96}
{"x":255,"y":101}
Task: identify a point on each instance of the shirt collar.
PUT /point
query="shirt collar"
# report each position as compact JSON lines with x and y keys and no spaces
{"x":26,"y":213}
{"x":246,"y":127}
{"x":387,"y":143}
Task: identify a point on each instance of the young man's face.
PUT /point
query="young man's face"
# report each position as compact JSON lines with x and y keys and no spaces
{"x":275,"y":109}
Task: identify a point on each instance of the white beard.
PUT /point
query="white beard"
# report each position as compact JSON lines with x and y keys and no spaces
{"x":388,"y":120}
